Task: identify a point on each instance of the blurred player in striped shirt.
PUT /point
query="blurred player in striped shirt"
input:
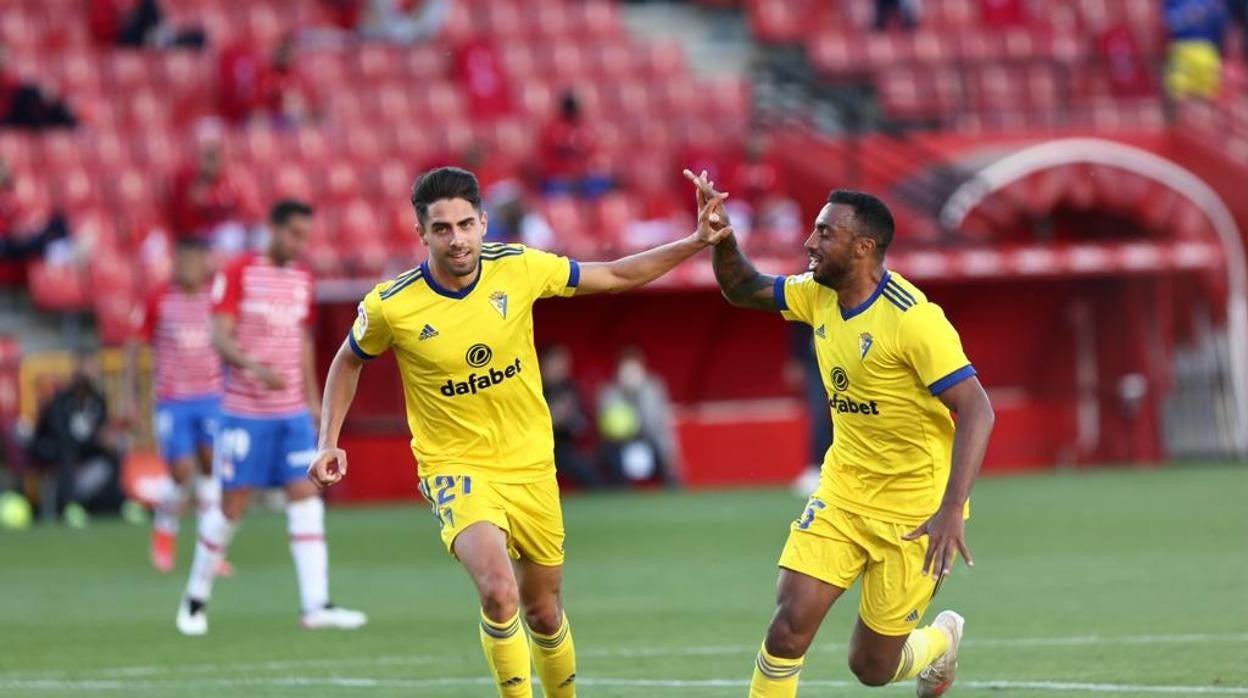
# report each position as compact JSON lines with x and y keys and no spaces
{"x":262,"y":314}
{"x":186,"y":380}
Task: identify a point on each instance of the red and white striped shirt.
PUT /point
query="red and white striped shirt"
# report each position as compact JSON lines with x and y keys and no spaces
{"x":177,"y":326}
{"x":272,"y":309}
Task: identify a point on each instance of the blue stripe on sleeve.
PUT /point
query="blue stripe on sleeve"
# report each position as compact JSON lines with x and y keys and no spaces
{"x":952,"y":379}
{"x":777,"y":292}
{"x":356,"y":348}
{"x":574,"y":273}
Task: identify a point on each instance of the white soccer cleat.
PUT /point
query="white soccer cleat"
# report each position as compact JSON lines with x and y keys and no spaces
{"x":191,"y":623}
{"x":333,"y":617}
{"x":938,"y":676}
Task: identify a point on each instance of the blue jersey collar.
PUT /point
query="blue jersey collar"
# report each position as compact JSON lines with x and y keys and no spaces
{"x":442,"y":290}
{"x":861,"y":307}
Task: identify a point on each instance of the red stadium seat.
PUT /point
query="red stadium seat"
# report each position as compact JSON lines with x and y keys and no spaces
{"x":423,"y":62}
{"x":780,"y":21}
{"x":341,"y":181}
{"x":596,"y":19}
{"x":376,"y":63}
{"x":58,"y":286}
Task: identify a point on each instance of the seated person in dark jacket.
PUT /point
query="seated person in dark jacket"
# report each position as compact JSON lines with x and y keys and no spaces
{"x":71,"y":443}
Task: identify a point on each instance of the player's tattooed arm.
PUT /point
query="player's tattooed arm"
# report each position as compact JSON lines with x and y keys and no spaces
{"x":740,"y":282}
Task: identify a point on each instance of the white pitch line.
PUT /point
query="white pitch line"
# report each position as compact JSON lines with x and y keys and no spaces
{"x":105,"y":673}
{"x":450,"y":682}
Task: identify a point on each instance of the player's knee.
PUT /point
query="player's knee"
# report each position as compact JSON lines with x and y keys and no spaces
{"x":870,"y":669}
{"x":544,"y":617}
{"x":500,"y":597}
{"x":785,"y":638}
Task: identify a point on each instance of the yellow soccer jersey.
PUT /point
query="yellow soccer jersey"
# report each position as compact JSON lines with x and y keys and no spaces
{"x":467,"y":361}
{"x":883,"y":364}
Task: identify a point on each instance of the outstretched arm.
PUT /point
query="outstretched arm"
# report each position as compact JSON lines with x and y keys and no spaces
{"x":640,"y":269}
{"x":330,"y":464}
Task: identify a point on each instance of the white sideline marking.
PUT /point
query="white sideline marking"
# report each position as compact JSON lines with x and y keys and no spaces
{"x":366,"y":682}
{"x":102,"y":675}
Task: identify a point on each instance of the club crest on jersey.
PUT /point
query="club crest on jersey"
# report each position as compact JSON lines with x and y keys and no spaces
{"x":498,"y":299}
{"x":865,"y":340}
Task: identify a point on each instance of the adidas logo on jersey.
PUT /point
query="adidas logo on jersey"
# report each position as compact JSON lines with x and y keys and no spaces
{"x":844,"y":405}
{"x":821,"y":333}
{"x":427,"y":333}
{"x":476,"y":382}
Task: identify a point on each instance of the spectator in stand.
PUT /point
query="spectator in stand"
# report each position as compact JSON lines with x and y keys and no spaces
{"x":74,"y":448}
{"x":568,"y":416}
{"x":240,"y":75}
{"x":1128,"y":70}
{"x":479,"y":69}
{"x":660,"y":211}
{"x":30,"y":106}
{"x":287,"y":97}
{"x":20,"y":241}
{"x":906,"y":13}
{"x":404,"y":21}
{"x":767,"y":216}
{"x":513,"y":220}
{"x":1196,"y":30}
{"x":568,"y":163}
{"x":637,"y":426}
{"x":137,"y":24}
{"x":207,"y":202}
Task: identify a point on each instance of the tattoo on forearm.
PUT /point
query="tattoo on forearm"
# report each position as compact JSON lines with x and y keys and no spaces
{"x":740,"y":281}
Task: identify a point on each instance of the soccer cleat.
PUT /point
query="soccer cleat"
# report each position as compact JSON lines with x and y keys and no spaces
{"x":192,"y":618}
{"x":332,"y":616}
{"x":162,"y":550}
{"x":938,"y":676}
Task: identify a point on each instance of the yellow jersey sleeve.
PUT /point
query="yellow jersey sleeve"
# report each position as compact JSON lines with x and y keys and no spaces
{"x":930,"y":344}
{"x":795,"y":297}
{"x":370,"y":335}
{"x":552,"y":274}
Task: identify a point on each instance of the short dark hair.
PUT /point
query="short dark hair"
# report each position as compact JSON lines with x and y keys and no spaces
{"x":874,"y":219}
{"x":285,"y":209}
{"x":444,"y":183}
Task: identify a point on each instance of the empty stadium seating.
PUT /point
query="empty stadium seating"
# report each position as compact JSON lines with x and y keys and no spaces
{"x":389,"y":111}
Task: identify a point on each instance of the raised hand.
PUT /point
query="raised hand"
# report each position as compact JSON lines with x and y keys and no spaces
{"x":705,"y":191}
{"x":712,"y":227}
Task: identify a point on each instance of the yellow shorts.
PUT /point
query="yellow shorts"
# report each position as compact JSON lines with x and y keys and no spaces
{"x":838,"y":547}
{"x":529,"y":513}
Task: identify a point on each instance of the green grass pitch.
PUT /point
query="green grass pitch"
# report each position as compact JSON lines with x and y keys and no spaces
{"x":1110,"y":582}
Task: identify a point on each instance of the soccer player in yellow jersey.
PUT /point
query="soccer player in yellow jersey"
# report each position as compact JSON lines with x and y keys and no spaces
{"x":461,"y":328}
{"x":895,"y":484}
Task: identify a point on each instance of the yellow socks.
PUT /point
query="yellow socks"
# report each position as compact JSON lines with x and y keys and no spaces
{"x":507,"y":653}
{"x":922,"y":648}
{"x":555,"y":658}
{"x":774,"y":677}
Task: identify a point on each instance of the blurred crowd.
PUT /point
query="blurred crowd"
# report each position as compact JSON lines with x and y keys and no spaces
{"x":628,"y":436}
